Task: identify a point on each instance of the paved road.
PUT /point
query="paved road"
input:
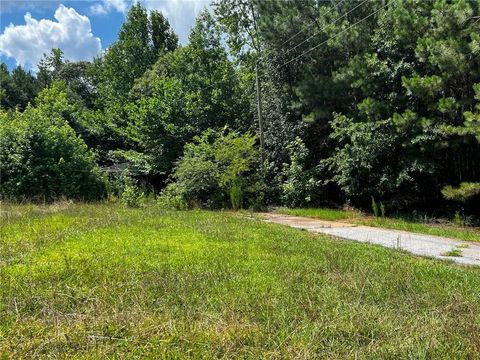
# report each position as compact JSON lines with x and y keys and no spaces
{"x":419,"y":244}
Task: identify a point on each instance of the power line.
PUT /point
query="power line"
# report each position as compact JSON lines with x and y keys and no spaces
{"x":331,"y":37}
{"x":313,"y":22}
{"x":322,"y":43}
{"x":299,"y":32}
{"x":316,"y":33}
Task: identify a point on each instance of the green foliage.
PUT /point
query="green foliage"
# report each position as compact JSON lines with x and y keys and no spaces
{"x":129,"y":190}
{"x":393,"y":95}
{"x":321,"y":213}
{"x":188,"y":91}
{"x":117,"y":183}
{"x":374,"y":207}
{"x":236,"y":196}
{"x":389,"y":108}
{"x":454,"y":252}
{"x":59,"y":100}
{"x":299,"y":185}
{"x":365,"y":162}
{"x":132,"y":196}
{"x":458,"y":220}
{"x":471,"y":125}
{"x":50,"y":66}
{"x":171,"y":198}
{"x":43,"y":159}
{"x":77,"y":76}
{"x":465,"y":192}
{"x":281,"y":129}
{"x":216,"y":166}
{"x":18,"y":88}
{"x":143,"y":38}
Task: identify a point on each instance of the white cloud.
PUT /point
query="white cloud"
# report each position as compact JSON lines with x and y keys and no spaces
{"x":8,"y":6}
{"x":108,"y":5}
{"x":180,"y":13}
{"x":72,"y":33}
{"x":177,"y":8}
{"x":98,"y":9}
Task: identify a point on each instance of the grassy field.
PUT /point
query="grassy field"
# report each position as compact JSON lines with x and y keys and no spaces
{"x":99,"y":281}
{"x":356,"y":217}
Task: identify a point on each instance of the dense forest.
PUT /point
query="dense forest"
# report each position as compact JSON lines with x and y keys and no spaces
{"x":356,"y":100}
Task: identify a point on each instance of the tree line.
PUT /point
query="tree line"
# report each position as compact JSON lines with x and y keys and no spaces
{"x":360,"y":100}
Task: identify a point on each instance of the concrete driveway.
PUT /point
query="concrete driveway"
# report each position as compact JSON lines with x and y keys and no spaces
{"x":418,"y":244}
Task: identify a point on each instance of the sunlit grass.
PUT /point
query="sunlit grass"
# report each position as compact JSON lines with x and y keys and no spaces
{"x":358,"y":218}
{"x":321,"y":213}
{"x":101,"y":281}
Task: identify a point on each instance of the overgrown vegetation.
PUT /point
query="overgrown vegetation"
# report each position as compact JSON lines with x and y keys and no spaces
{"x":43,"y":159}
{"x":99,"y":281}
{"x":372,"y":105}
{"x":387,"y":111}
{"x":216,"y":168}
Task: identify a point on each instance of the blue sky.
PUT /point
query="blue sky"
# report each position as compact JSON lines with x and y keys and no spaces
{"x":82,"y":29}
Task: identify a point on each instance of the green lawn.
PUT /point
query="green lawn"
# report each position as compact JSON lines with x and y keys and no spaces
{"x":99,"y":281}
{"x":356,"y":217}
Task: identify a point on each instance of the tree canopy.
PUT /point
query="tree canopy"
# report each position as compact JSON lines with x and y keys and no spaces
{"x":359,"y":99}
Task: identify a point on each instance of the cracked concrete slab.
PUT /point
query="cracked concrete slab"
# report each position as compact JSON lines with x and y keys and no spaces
{"x":418,"y":244}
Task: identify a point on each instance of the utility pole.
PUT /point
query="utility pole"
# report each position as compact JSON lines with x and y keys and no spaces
{"x":255,"y":43}
{"x":259,"y":109}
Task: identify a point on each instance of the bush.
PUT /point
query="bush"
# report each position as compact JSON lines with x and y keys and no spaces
{"x":299,"y":185}
{"x":217,"y":167}
{"x":125,"y":188}
{"x":41,"y":158}
{"x":132,"y":196}
{"x":171,"y":198}
{"x":364,"y":163}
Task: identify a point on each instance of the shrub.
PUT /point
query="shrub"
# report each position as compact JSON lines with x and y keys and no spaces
{"x":363,"y":164}
{"x":217,"y":167}
{"x":132,"y":196}
{"x":171,"y":198}
{"x":299,"y":185}
{"x":41,"y":158}
{"x":196,"y":174}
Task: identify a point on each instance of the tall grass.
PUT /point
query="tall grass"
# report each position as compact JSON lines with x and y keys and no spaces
{"x":321,"y":213}
{"x":100,"y":281}
{"x":236,"y":196}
